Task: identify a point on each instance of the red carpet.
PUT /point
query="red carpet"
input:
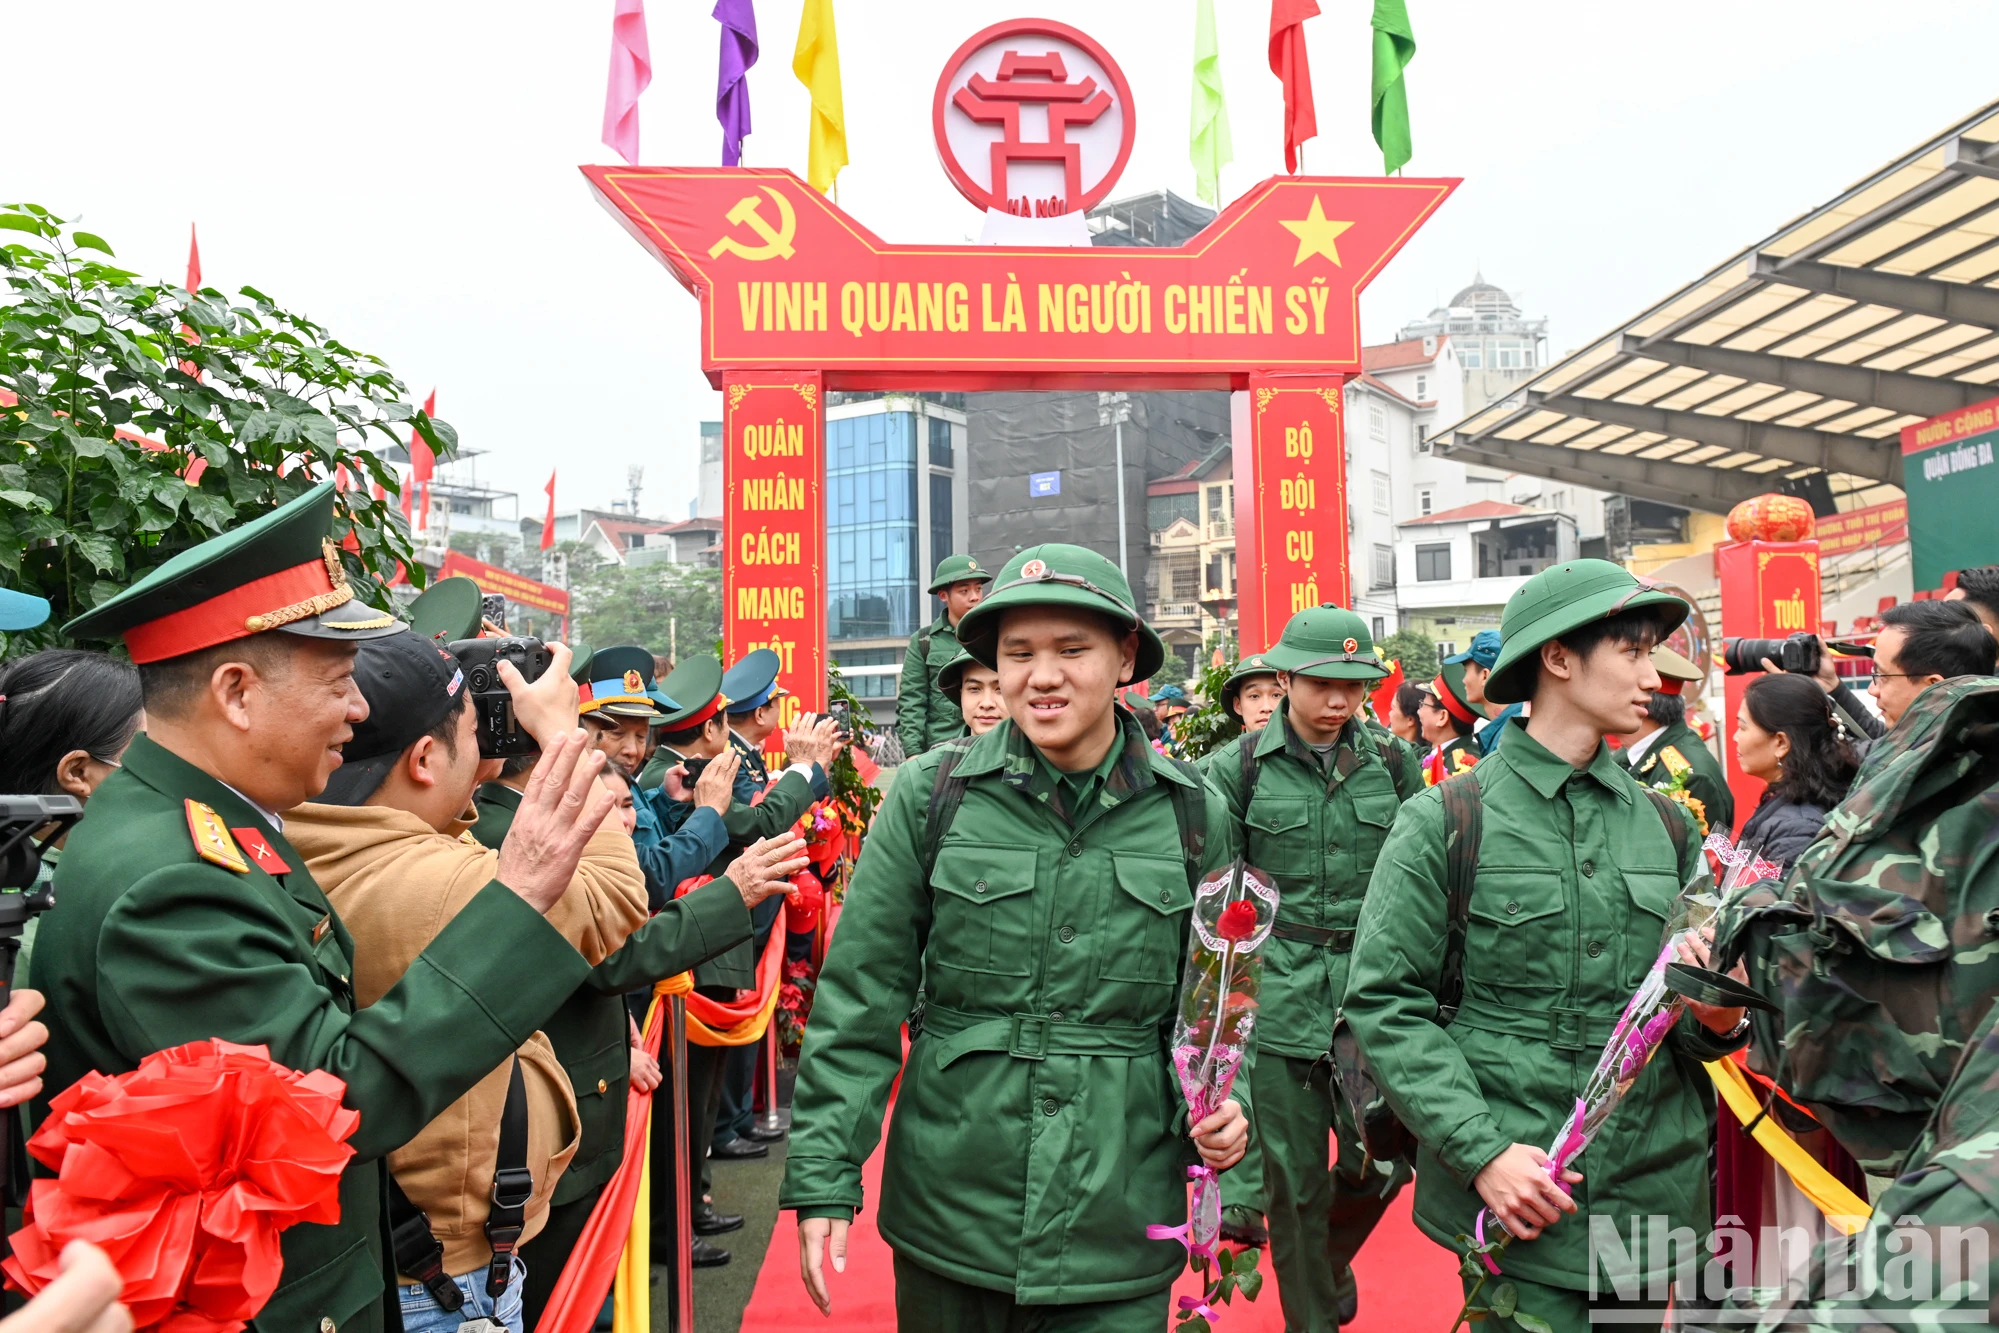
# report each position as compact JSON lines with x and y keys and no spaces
{"x":1408,"y":1284}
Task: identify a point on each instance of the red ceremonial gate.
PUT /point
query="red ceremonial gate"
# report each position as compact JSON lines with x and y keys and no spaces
{"x":797,"y":298}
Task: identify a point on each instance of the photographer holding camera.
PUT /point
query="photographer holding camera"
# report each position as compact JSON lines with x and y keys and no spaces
{"x":1805,"y":655}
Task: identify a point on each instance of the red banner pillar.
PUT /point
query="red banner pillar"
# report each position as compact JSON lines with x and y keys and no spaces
{"x":1768,"y":590}
{"x":774,"y":528}
{"x":1291,"y":502}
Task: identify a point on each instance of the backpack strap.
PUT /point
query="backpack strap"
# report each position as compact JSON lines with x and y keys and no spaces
{"x":1676,"y":825}
{"x":947,"y":793}
{"x":1388,"y":748}
{"x":1251,"y":766}
{"x":417,"y":1250}
{"x":1464,"y":827}
{"x":1190,"y":812}
{"x":513,"y":1184}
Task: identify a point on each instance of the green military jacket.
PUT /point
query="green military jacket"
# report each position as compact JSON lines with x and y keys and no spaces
{"x":1705,"y":780}
{"x":783,"y":804}
{"x":752,"y":757}
{"x":1576,"y":879}
{"x":589,"y":1031}
{"x":1015,"y":1162}
{"x":497,"y":804}
{"x":154,"y":946}
{"x":1318,"y":834}
{"x":924,"y":714}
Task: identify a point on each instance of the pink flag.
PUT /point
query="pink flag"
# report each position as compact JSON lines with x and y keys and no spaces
{"x":548,"y":524}
{"x":193,"y":285}
{"x":631,"y":72}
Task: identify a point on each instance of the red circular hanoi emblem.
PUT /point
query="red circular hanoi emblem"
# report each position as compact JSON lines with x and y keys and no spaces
{"x":1033,"y":117}
{"x":1034,"y":569}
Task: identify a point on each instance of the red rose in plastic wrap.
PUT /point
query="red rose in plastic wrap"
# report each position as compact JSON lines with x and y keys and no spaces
{"x":184,"y":1171}
{"x":803,"y":915}
{"x":1237,"y":921}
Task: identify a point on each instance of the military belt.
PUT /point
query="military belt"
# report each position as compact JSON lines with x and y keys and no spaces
{"x":1033,"y":1036}
{"x":1339,"y":941}
{"x":1561,"y":1029}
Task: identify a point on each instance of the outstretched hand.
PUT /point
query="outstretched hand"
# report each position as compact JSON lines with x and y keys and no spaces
{"x":561,"y":807}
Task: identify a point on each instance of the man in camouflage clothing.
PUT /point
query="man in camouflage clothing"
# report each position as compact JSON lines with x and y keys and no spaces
{"x":1929,"y":1256}
{"x":1882,"y":947}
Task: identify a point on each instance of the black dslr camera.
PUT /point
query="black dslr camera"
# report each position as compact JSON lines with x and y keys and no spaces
{"x":500,"y":737}
{"x":1798,"y":654}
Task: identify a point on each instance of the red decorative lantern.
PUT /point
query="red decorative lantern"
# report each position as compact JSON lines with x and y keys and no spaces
{"x":1771,"y":518}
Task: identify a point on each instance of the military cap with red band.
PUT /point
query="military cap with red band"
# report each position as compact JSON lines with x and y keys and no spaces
{"x":280,"y":572}
{"x":696,"y":684}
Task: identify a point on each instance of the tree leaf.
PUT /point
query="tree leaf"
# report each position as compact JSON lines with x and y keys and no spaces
{"x":100,"y":550}
{"x":25,"y":500}
{"x":83,"y":324}
{"x":89,"y":241}
{"x":15,"y":222}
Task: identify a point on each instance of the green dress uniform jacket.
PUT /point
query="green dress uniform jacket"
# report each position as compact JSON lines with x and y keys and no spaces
{"x":1317,"y":834}
{"x":924,"y":714}
{"x":154,"y":947}
{"x":1040,"y":1127}
{"x":589,"y":1031}
{"x":1576,"y":880}
{"x":1705,"y":781}
{"x":497,"y":803}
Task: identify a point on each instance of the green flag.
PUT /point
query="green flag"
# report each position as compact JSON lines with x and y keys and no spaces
{"x":1394,"y":48}
{"x":1209,"y":142}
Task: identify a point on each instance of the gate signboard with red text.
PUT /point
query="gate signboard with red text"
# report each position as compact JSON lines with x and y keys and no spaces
{"x":774,"y":529}
{"x":1289,"y":437}
{"x":1769,"y":590}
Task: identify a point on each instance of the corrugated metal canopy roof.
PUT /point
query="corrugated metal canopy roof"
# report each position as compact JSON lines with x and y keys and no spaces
{"x":1807,"y":352}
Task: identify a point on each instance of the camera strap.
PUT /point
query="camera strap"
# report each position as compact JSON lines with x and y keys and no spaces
{"x":513,"y":1184}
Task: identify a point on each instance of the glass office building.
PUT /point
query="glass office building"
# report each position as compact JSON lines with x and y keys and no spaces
{"x":894,"y":508}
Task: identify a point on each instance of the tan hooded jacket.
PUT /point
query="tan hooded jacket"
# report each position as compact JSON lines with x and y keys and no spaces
{"x":396,"y":883}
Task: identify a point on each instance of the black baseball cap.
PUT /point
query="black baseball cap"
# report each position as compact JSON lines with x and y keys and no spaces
{"x":410,"y":683}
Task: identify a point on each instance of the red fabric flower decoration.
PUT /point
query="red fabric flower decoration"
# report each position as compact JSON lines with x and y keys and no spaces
{"x":184,"y":1171}
{"x":803,"y":914}
{"x":1237,"y":921}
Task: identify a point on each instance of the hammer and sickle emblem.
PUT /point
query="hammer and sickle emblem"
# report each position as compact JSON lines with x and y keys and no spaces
{"x":776,"y":241}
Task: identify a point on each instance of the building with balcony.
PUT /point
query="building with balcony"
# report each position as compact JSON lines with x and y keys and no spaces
{"x":1190,"y":535}
{"x":1456,"y":568}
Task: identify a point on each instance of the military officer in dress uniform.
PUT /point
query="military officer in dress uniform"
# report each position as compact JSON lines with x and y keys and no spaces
{"x":1313,"y":795}
{"x":186,"y":915}
{"x":1665,"y":752}
{"x":923,"y":716}
{"x":755,"y":699}
{"x":1449,"y":720}
{"x":1036,"y":885}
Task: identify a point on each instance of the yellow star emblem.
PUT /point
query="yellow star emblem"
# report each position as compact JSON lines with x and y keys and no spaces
{"x":1316,"y":235}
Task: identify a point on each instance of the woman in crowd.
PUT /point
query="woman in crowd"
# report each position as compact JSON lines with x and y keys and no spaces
{"x":1449,"y":722}
{"x":1784,"y":735}
{"x":65,"y":720}
{"x":1403,"y":708}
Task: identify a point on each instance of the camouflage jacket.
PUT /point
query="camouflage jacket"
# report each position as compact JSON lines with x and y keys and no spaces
{"x":1922,"y":1253}
{"x":1882,"y":946}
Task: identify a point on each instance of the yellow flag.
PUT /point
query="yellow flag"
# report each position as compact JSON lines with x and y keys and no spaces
{"x":816,"y":62}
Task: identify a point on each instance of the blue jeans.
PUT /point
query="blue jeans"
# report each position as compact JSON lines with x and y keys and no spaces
{"x":422,"y":1313}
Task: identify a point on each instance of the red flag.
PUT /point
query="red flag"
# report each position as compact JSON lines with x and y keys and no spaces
{"x":1384,"y":694}
{"x":548,"y":524}
{"x":1293,"y":68}
{"x":420,"y":470}
{"x":193,"y":285}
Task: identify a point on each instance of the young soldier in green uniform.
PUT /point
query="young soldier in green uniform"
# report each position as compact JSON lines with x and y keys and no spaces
{"x":186,"y":915}
{"x":1575,"y":873}
{"x":1313,"y":794}
{"x":1666,"y":751}
{"x":1035,"y":884}
{"x":975,"y":690}
{"x":1253,"y":692}
{"x":923,"y":716}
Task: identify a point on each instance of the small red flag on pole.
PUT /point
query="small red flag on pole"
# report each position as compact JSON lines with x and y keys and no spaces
{"x":421,"y":463}
{"x":193,"y":285}
{"x":1293,"y":68}
{"x":548,"y":523}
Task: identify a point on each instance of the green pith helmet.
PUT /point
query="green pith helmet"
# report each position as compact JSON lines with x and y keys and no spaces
{"x":1452,"y":677}
{"x":696,"y":685}
{"x":951,"y":680}
{"x":580,"y":657}
{"x":448,"y":610}
{"x":1559,"y":599}
{"x":1329,"y":642}
{"x":280,"y":572}
{"x":1246,"y":670}
{"x":958,"y":569}
{"x":1058,"y":574}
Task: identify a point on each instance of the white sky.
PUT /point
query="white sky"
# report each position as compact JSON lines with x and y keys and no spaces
{"x":404,"y":171}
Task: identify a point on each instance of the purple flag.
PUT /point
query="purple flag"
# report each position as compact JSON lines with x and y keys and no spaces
{"x":732,"y":87}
